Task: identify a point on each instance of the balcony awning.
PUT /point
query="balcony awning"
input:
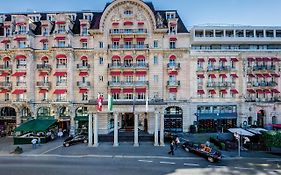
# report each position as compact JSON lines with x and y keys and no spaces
{"x":44,"y":58}
{"x":173,"y":39}
{"x":60,"y":74}
{"x":83,"y":74}
{"x":200,"y":76}
{"x":234,"y":59}
{"x":259,"y":59}
{"x":43,"y":91}
{"x":212,"y":76}
{"x":212,"y":91}
{"x":172,"y":57}
{"x":223,"y":60}
{"x":267,"y":75}
{"x":251,"y":91}
{"x":19,"y":74}
{"x":140,"y":73}
{"x":173,"y":23}
{"x":60,"y":22}
{"x":259,"y":75}
{"x":115,"y":57}
{"x":83,"y":24}
{"x":266,"y":91}
{"x":260,"y":91}
{"x":275,"y":91}
{"x":84,"y":58}
{"x":140,"y":39}
{"x":223,"y":91}
{"x":234,"y":75}
{"x":251,"y":75}
{"x":212,"y":60}
{"x":44,"y":40}
{"x":173,"y":72}
{"x":200,"y":60}
{"x":200,"y":91}
{"x":251,"y":59}
{"x":4,"y":91}
{"x":173,"y":90}
{"x":83,"y":40}
{"x":115,"y":91}
{"x":43,"y":74}
{"x":82,"y":91}
{"x":115,"y":73}
{"x":6,"y":25}
{"x":128,"y":90}
{"x":61,"y":56}
{"x":223,"y":76}
{"x":6,"y":59}
{"x":18,"y":91}
{"x":140,"y":57}
{"x":20,"y":23}
{"x":60,"y":38}
{"x":60,"y":91}
{"x":5,"y":41}
{"x":128,"y":57}
{"x":128,"y":73}
{"x":140,"y":23}
{"x":140,"y":90}
{"x":266,"y":59}
{"x":234,"y":91}
{"x":4,"y":74}
{"x":115,"y":39}
{"x":128,"y":23}
{"x":275,"y":75}
{"x":115,"y":23}
{"x":20,"y":39}
{"x":128,"y":39}
{"x":18,"y":57}
{"x":275,"y":59}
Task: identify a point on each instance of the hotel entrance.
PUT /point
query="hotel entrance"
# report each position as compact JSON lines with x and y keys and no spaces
{"x":128,"y":121}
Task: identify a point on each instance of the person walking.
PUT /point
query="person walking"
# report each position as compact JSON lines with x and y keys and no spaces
{"x":34,"y":141}
{"x":172,"y":147}
{"x":177,"y":142}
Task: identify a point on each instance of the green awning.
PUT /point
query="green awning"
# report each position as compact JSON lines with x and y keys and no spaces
{"x":81,"y":118}
{"x":37,"y":125}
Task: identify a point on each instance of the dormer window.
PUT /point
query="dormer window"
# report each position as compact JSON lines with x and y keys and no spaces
{"x":35,"y":18}
{"x":2,"y":18}
{"x":170,"y":15}
{"x":128,"y":12}
{"x":72,"y":17}
{"x":84,"y":30}
{"x":45,"y":31}
{"x":87,"y":17}
{"x":22,"y":29}
{"x":51,"y":17}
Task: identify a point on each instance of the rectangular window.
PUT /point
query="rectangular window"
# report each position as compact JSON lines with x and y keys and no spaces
{"x":141,"y":96}
{"x":101,"y":44}
{"x":61,"y":81}
{"x":172,"y":44}
{"x":101,"y":60}
{"x":128,"y":79}
{"x":155,"y":44}
{"x":84,"y":31}
{"x":116,"y":79}
{"x":61,"y":97}
{"x":155,"y":78}
{"x":61,"y":63}
{"x":85,"y":96}
{"x":61,"y":28}
{"x":155,"y":60}
{"x":22,"y":44}
{"x":116,"y":96}
{"x":172,"y":96}
{"x":45,"y":31}
{"x":85,"y":45}
{"x":101,"y":78}
{"x":45,"y":96}
{"x":128,"y":45}
{"x":45,"y":46}
{"x":128,"y":96}
{"x":7,"y":96}
{"x":140,"y":44}
{"x":61,"y":43}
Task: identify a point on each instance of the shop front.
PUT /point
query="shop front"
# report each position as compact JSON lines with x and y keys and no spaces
{"x":81,"y":120}
{"x":7,"y":120}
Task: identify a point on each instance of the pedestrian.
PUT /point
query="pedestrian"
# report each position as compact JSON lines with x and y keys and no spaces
{"x":177,"y":142}
{"x":171,"y":147}
{"x":34,"y":141}
{"x":39,"y":141}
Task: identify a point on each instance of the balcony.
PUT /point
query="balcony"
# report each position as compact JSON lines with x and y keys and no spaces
{"x":127,"y":31}
{"x":43,"y":84}
{"x":264,"y":67}
{"x":83,"y":84}
{"x":219,"y":84}
{"x":128,"y":47}
{"x":21,"y":84}
{"x":263,"y":84}
{"x":61,"y":83}
{"x":6,"y":85}
{"x":266,"y":100}
{"x":173,"y":83}
{"x":124,"y":66}
{"x":173,"y":66}
{"x":61,"y":66}
{"x":218,"y":68}
{"x":83,"y":67}
{"x":123,"y":83}
{"x":21,"y":66}
{"x":46,"y":67}
{"x":20,"y":100}
{"x":5,"y":67}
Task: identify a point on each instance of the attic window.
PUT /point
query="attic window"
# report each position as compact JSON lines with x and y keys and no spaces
{"x":128,"y":12}
{"x":170,"y":15}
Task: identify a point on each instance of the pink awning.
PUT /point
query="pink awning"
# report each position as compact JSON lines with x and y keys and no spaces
{"x":128,"y":90}
{"x":140,"y":90}
{"x":84,"y":58}
{"x":223,"y":60}
{"x":128,"y":73}
{"x":5,"y":41}
{"x":140,"y":39}
{"x":115,"y":39}
{"x":266,"y":91}
{"x":140,"y":23}
{"x":44,"y":58}
{"x":43,"y":91}
{"x":200,"y":91}
{"x":251,"y":59}
{"x":128,"y":39}
{"x":173,"y":39}
{"x":83,"y":40}
{"x":19,"y":74}
{"x":200,"y":75}
{"x":4,"y":91}
{"x":44,"y":40}
{"x":172,"y":57}
{"x":259,"y":75}
{"x":234,"y":91}
{"x":6,"y":59}
{"x":43,"y":74}
{"x":60,"y":74}
{"x":60,"y":91}
{"x":19,"y":91}
{"x":267,"y":75}
{"x":60,"y":22}
{"x":173,"y":72}
{"x":223,"y":76}
{"x":234,"y":59}
{"x":173,"y":90}
{"x":234,"y":75}
{"x":251,"y":75}
{"x":20,"y":39}
{"x":275,"y":75}
{"x":275,"y":91}
{"x":251,"y":91}
{"x":140,"y":73}
{"x":18,"y":57}
{"x":275,"y":59}
{"x":212,"y":60}
{"x":212,"y":91}
{"x":60,"y":38}
{"x":82,"y":91}
{"x":83,"y":74}
{"x":212,"y":76}
{"x":128,"y":57}
{"x":4,"y":74}
{"x":223,"y":91}
{"x":140,"y":57}
{"x":115,"y":23}
{"x":115,"y":73}
{"x":61,"y":56}
{"x":260,"y":91}
{"x":128,"y":23}
{"x":115,"y":57}
{"x":200,"y":60}
{"x":115,"y":91}
{"x":20,"y":23}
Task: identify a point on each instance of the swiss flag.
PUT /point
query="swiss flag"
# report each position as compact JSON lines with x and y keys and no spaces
{"x":99,"y":101}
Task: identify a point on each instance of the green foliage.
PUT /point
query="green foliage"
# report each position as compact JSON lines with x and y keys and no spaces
{"x":272,"y":138}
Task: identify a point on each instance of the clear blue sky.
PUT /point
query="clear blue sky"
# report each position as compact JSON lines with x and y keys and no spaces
{"x":193,"y":12}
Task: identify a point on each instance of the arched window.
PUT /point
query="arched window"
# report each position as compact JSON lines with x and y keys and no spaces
{"x":63,"y":112}
{"x":82,"y":111}
{"x":8,"y":111}
{"x":43,"y":112}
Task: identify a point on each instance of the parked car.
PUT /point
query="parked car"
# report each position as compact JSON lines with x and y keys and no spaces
{"x":202,"y":150}
{"x":74,"y":140}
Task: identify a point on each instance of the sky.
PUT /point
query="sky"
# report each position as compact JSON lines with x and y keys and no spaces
{"x":192,"y":12}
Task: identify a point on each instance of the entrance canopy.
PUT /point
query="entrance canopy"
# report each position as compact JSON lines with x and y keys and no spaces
{"x":240,"y":131}
{"x":257,"y":130}
{"x":37,"y":125}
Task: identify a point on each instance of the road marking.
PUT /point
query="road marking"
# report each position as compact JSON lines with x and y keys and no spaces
{"x":215,"y":166}
{"x":242,"y":168}
{"x":149,"y":161}
{"x":170,"y":163}
{"x":51,"y":149}
{"x":191,"y":164}
{"x":273,"y":160}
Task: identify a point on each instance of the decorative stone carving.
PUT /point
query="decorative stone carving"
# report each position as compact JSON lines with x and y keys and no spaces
{"x":159,"y":21}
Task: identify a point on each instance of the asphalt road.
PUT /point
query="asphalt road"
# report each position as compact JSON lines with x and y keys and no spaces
{"x":84,"y":165}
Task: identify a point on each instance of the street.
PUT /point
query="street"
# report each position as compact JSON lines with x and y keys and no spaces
{"x":125,"y":165}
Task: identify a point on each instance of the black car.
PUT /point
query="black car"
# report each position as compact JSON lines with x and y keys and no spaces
{"x":75,"y":139}
{"x":202,"y":150}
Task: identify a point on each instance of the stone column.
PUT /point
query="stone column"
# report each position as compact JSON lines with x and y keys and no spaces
{"x":96,"y":143}
{"x":90,"y":130}
{"x":115,"y":143}
{"x":72,"y":122}
{"x":156,"y":129}
{"x":162,"y":129}
{"x":136,"y":129}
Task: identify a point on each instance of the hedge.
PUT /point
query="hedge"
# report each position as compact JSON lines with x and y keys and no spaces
{"x":272,"y":138}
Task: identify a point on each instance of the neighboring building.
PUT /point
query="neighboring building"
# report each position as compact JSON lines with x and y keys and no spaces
{"x":54,"y":65}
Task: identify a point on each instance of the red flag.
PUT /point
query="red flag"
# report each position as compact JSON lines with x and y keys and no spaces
{"x":99,"y":101}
